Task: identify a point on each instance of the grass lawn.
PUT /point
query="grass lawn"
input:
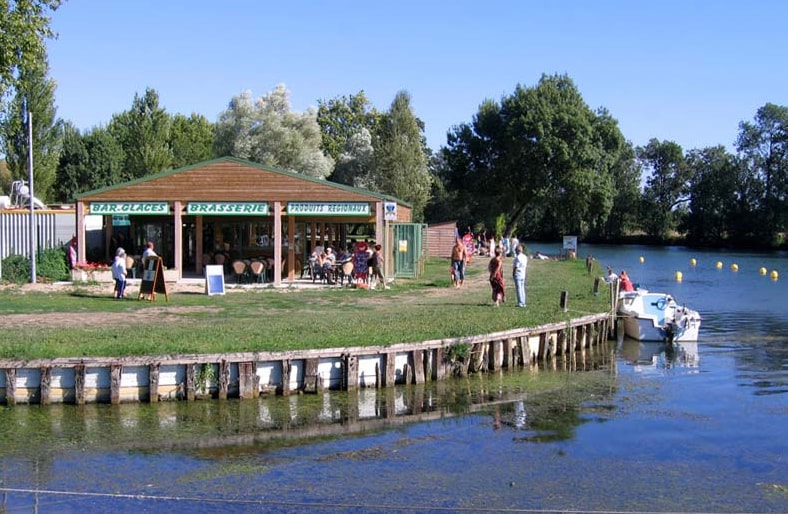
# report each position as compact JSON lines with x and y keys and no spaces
{"x":83,"y":320}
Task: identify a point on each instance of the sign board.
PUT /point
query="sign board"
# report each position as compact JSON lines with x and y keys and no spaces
{"x":153,"y":280}
{"x":390,"y":211}
{"x":327,"y":209}
{"x":121,"y":220}
{"x":150,"y":208}
{"x":228,"y":208}
{"x":214,"y":279}
{"x":402,"y":245}
{"x":570,"y":243}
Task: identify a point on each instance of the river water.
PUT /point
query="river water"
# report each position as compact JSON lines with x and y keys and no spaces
{"x":630,"y":427}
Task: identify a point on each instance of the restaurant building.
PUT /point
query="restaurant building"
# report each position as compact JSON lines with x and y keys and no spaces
{"x":230,"y":209}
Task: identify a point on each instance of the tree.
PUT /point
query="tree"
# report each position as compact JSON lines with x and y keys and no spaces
{"x":624,"y":215}
{"x":666,"y":188}
{"x":191,"y":140}
{"x":144,"y":133}
{"x":268,"y":132}
{"x":400,"y":159}
{"x":88,"y":161}
{"x":356,"y":160}
{"x":712,"y":195}
{"x":342,"y":119}
{"x":35,"y":95}
{"x":763,"y":146}
{"x":24,"y":26}
{"x":541,"y":157}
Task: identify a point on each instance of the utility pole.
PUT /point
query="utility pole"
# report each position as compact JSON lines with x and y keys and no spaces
{"x":30,"y":183}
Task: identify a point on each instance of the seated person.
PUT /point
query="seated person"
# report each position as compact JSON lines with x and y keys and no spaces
{"x":611,"y":276}
{"x":329,"y":264}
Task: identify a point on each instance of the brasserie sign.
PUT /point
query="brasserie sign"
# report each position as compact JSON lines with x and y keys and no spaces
{"x":327,"y":209}
{"x":228,"y":208}
{"x":149,"y":208}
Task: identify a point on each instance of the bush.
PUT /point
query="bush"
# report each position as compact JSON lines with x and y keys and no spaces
{"x":50,"y":266}
{"x":16,"y":269}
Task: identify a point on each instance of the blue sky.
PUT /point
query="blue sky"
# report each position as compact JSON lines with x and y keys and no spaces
{"x":688,"y":72}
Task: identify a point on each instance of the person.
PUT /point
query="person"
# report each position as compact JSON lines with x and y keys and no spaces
{"x":376,"y":264}
{"x":329,"y":265}
{"x":148,"y":251}
{"x":539,"y":255}
{"x":611,"y":276}
{"x":496,"y":278}
{"x":459,"y":254}
{"x":72,"y":253}
{"x":518,"y":275}
{"x":119,"y":273}
{"x":626,"y":283}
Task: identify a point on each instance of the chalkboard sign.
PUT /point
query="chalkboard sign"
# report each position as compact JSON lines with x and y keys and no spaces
{"x":214,"y":279}
{"x":153,"y":280}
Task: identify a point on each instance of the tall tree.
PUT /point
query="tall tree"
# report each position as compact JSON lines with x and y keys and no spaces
{"x":191,"y":140}
{"x":24,"y":26}
{"x":763,"y":145}
{"x":400,"y":159}
{"x":356,"y":160}
{"x":712,"y":195}
{"x":268,"y":132}
{"x":35,"y":95}
{"x":343,"y":118}
{"x":89,"y":161}
{"x":541,"y":157}
{"x":144,"y":133}
{"x":667,"y":187}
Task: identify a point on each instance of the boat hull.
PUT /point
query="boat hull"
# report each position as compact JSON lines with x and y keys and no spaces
{"x":657,"y":317}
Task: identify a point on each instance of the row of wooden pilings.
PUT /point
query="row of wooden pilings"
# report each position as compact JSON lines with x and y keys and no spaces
{"x":248,"y":375}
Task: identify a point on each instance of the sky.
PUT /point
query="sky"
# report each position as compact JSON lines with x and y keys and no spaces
{"x":683,"y":71}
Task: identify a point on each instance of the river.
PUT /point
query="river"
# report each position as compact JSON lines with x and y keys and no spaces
{"x":629,"y":427}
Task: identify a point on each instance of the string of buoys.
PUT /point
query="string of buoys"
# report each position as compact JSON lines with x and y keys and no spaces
{"x":679,"y":276}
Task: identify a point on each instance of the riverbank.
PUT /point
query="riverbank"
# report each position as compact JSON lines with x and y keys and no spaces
{"x":82,"y":320}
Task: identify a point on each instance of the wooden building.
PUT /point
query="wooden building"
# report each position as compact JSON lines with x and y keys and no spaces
{"x":440,"y":238}
{"x":236,"y":209}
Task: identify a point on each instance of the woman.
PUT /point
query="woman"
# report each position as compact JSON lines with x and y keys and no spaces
{"x":496,"y":278}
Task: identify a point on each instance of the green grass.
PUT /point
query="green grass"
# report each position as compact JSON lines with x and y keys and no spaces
{"x":94,"y":325}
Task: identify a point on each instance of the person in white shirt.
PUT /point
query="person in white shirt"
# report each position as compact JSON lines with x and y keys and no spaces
{"x":518,"y":275}
{"x":119,"y":273}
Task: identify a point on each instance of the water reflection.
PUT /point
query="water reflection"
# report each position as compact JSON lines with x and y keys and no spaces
{"x":659,"y":356}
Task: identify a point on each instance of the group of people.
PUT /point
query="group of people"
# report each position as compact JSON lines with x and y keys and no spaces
{"x":459,"y":260}
{"x":367,"y":261}
{"x":624,"y":282}
{"x":120,"y":271}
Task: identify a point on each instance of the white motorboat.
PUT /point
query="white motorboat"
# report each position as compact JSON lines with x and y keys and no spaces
{"x":657,"y":317}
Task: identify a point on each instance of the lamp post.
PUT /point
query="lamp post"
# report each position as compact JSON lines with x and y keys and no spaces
{"x":30,"y":198}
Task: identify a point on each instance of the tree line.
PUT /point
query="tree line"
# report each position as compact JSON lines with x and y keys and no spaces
{"x":538,"y":163}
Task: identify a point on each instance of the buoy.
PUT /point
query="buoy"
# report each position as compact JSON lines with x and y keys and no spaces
{"x":693,"y":262}
{"x":762,"y":271}
{"x":734,"y":267}
{"x":679,"y":276}
{"x":719,"y":264}
{"x":775,"y":275}
{"x":642,"y":259}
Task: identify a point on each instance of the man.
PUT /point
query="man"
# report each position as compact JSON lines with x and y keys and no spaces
{"x":458,"y":257}
{"x":518,"y":275}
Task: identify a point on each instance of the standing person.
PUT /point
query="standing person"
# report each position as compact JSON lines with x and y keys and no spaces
{"x":148,"y":251}
{"x":72,"y":253}
{"x":119,"y":273}
{"x":376,"y":264}
{"x":459,"y":254}
{"x":496,"y":278}
{"x":518,"y":275}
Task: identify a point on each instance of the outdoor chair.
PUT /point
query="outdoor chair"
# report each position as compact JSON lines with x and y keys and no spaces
{"x":239,"y":268}
{"x":131,"y":266}
{"x":257,"y":271}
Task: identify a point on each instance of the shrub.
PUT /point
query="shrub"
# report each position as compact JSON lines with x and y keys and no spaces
{"x":16,"y":269}
{"x":50,"y":266}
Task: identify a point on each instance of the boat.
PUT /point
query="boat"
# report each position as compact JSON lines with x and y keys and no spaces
{"x":648,"y":316}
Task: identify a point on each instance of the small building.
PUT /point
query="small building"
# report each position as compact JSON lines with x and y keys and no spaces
{"x":231,"y":209}
{"x":441,"y":238}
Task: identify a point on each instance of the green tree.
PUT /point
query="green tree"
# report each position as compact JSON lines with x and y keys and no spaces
{"x":355,"y":163}
{"x":624,"y":218}
{"x":343,"y":118}
{"x":763,"y":147}
{"x":400,"y":159}
{"x":542,"y":157}
{"x":24,"y":27}
{"x":144,"y":134}
{"x":191,"y":140}
{"x":713,"y":187}
{"x":666,"y":188}
{"x":35,"y":95}
{"x":88,"y":161}
{"x":268,"y":132}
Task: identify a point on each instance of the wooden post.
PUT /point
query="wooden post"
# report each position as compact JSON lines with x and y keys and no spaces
{"x":416,"y":358}
{"x":438,"y":366}
{"x":247,"y":380}
{"x":79,"y":384}
{"x":46,"y":383}
{"x":224,"y":379}
{"x":10,"y":386}
{"x":115,"y":371}
{"x":351,"y":372}
{"x":190,"y":392}
{"x":391,"y":369}
{"x":285,"y":387}
{"x":564,"y":301}
{"x":310,"y":375}
{"x":153,"y":382}
{"x":596,"y":286}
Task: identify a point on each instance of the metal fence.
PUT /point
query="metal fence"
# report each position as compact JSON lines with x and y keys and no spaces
{"x":51,"y":229}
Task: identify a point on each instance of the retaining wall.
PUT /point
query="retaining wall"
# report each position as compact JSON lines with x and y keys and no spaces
{"x":248,"y":375}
